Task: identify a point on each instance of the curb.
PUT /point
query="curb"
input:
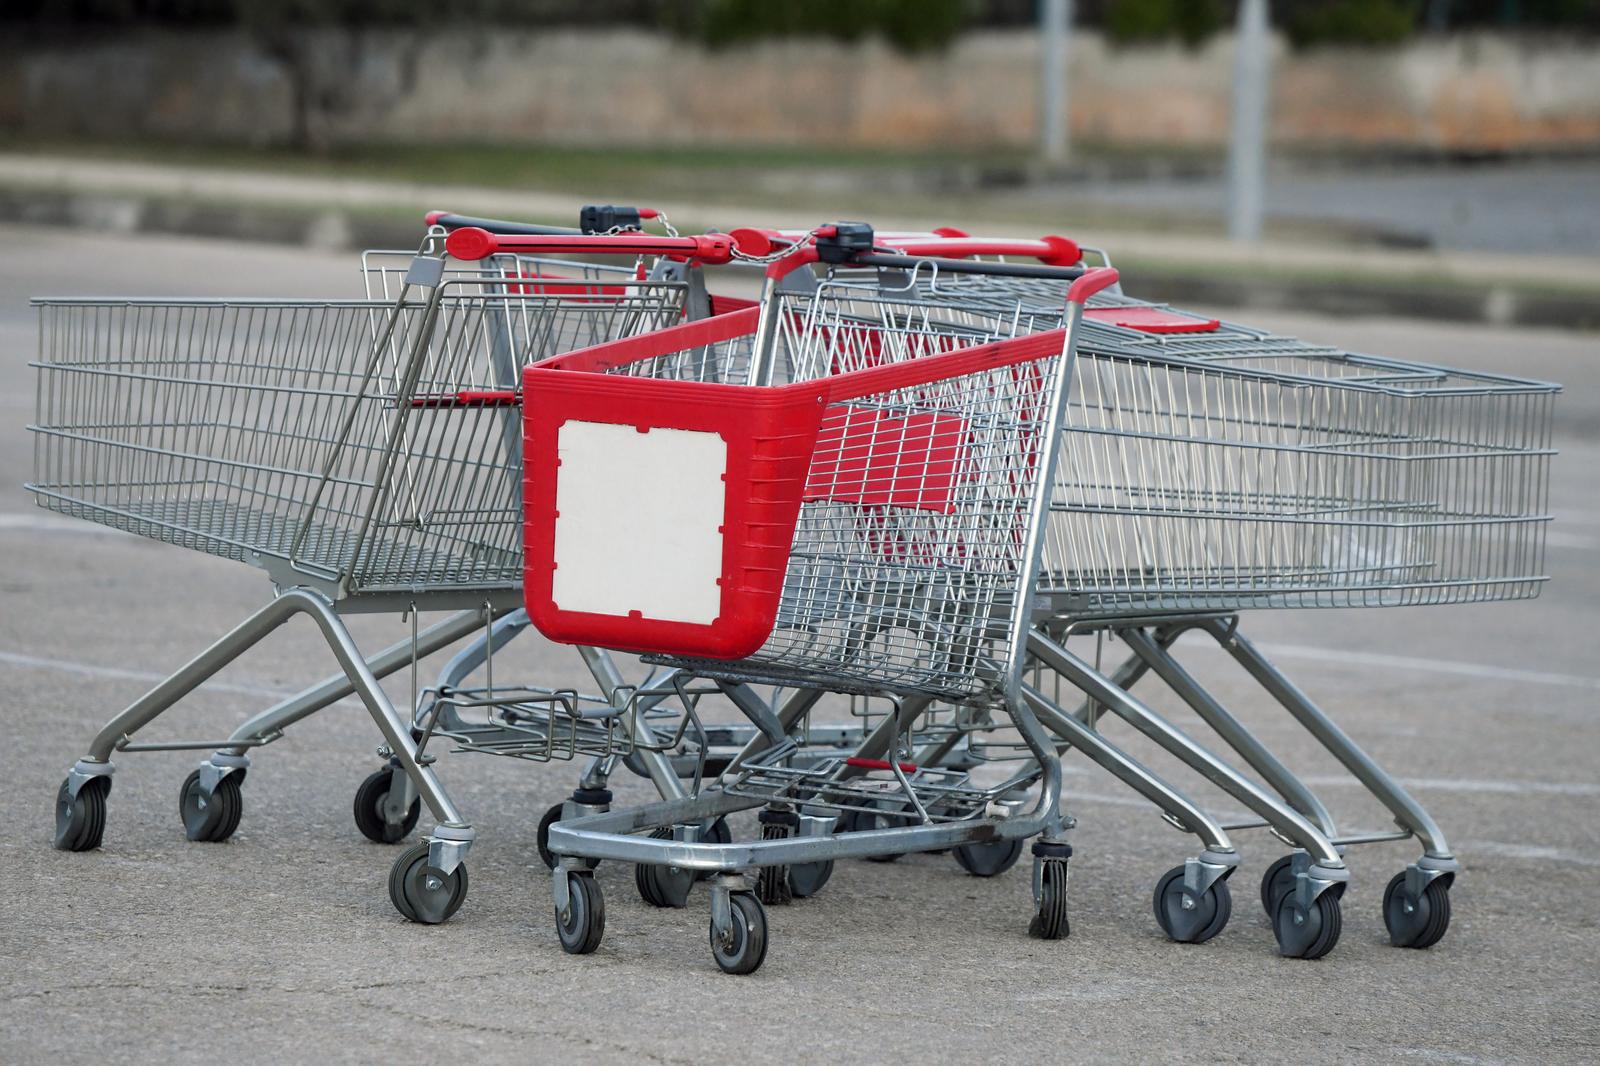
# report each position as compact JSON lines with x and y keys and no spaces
{"x":351,"y":230}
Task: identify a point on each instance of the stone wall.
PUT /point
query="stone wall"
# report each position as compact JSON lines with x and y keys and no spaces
{"x":1466,"y":93}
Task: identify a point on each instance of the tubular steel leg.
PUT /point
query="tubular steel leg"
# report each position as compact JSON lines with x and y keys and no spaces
{"x":1407,"y":811}
{"x":604,"y":670}
{"x":282,"y":715}
{"x":1174,"y":804}
{"x":796,"y":706}
{"x":395,"y":727}
{"x":1240,"y":739}
{"x":1097,"y":686}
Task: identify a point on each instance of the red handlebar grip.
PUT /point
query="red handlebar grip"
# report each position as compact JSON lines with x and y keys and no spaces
{"x":471,"y":243}
{"x":1091,"y":282}
{"x":1052,"y":250}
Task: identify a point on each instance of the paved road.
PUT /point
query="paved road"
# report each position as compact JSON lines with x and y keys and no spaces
{"x":282,"y":946}
{"x":1524,"y":206}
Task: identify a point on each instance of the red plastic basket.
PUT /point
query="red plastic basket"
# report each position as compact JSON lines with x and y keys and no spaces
{"x":660,"y":513}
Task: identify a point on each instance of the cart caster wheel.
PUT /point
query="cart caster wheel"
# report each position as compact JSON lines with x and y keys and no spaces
{"x":862,"y":821}
{"x":210,"y":819}
{"x":422,"y":892}
{"x":744,"y":947}
{"x":583,"y":923}
{"x":551,"y":817}
{"x":1276,"y":883}
{"x":1050,"y":920}
{"x":1417,"y":922}
{"x":988,"y":860}
{"x":1307,"y":934}
{"x":719,"y":833}
{"x":1200,"y":921}
{"x":369,"y":802}
{"x":808,"y":878}
{"x":81,"y":819}
{"x":773,"y":884}
{"x":663,"y":886}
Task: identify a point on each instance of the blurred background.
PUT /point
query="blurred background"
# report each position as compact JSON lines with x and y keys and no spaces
{"x":1361,"y":154}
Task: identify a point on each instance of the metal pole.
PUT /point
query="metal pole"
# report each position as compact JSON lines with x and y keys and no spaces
{"x":1055,"y":22}
{"x":1247,"y":154}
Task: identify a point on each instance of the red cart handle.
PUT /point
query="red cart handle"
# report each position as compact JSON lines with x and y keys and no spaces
{"x":948,"y":243}
{"x":472,"y":243}
{"x":1050,"y":250}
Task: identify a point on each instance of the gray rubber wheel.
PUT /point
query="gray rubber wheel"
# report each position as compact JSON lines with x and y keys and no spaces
{"x":988,"y":860}
{"x":1195,"y":924}
{"x":210,"y":819}
{"x":1416,"y":923}
{"x":1050,"y":919}
{"x":807,"y":878}
{"x":719,"y":833}
{"x":773,"y":884}
{"x":744,"y":949}
{"x":422,"y":892}
{"x":1276,"y":882}
{"x":862,"y":821}
{"x":582,"y":925}
{"x":546,"y":856}
{"x":368,"y":811}
{"x":663,"y":886}
{"x":81,"y":819}
{"x":1307,"y":934}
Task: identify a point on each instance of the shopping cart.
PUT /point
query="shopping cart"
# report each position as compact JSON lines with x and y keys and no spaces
{"x":873,"y":529}
{"x":358,"y":451}
{"x":711,"y":749}
{"x":1211,"y":467}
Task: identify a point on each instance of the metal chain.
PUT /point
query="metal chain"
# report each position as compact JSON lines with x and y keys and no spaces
{"x":776,"y":254}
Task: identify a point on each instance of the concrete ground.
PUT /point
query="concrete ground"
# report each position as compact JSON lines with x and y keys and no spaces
{"x":281,"y":945}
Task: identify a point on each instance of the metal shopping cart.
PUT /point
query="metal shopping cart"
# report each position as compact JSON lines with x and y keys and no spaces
{"x":1375,"y":482}
{"x":1211,"y":467}
{"x":872,"y":529}
{"x":360,"y":453}
{"x":711,"y":748}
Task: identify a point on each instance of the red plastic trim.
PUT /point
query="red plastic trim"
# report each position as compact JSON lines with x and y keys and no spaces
{"x":470,"y":398}
{"x":1153,"y":320}
{"x":772,"y":435}
{"x":1091,"y":282}
{"x":471,"y":244}
{"x":878,"y":764}
{"x":1050,"y":250}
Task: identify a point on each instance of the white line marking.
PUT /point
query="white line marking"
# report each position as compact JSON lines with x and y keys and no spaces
{"x":1477,"y":785}
{"x":1436,"y":666}
{"x":1557,"y":539}
{"x":113,"y":673}
{"x":1532,"y":852}
{"x":46,"y":523}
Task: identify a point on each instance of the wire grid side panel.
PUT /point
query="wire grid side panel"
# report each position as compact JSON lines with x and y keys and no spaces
{"x":451,"y":505}
{"x":295,"y":429}
{"x":844,"y":327}
{"x":205,"y":424}
{"x":908,"y":555}
{"x":384,"y":271}
{"x":1184,"y":486}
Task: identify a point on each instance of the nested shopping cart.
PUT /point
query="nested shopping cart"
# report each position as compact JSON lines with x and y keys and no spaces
{"x":1209,"y":468}
{"x":713,"y":746}
{"x":360,"y":452}
{"x":873,"y":529}
{"x":1245,"y":470}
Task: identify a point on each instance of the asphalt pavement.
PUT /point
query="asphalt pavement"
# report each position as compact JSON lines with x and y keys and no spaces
{"x":281,"y":945}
